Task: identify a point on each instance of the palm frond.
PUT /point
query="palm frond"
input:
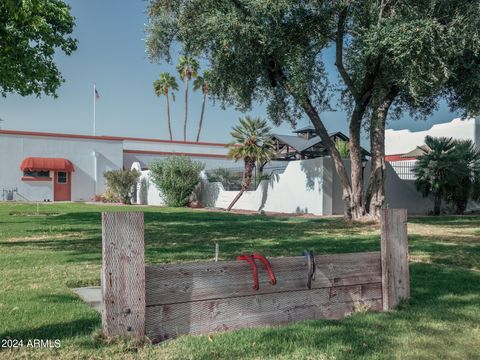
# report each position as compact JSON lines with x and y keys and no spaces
{"x":252,"y":141}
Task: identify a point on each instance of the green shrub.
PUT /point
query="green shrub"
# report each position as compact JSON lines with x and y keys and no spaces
{"x":110,"y":197}
{"x":121,"y":183}
{"x":176,"y":177}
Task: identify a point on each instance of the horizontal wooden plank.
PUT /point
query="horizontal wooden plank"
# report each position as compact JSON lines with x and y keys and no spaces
{"x":167,"y":321}
{"x":176,"y":283}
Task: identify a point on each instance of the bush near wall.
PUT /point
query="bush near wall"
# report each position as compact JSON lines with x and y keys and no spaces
{"x":121,"y":183}
{"x":176,"y":177}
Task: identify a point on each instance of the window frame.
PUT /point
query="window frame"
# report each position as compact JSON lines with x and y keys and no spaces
{"x":58,"y":176}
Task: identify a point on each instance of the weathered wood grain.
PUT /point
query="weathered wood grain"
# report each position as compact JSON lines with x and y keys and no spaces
{"x":123,"y":274}
{"x":176,"y":283}
{"x":395,"y":272}
{"x":206,"y":316}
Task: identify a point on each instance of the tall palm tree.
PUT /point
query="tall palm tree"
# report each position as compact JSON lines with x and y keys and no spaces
{"x":202,"y":84}
{"x":252,"y":143}
{"x":162,"y":86}
{"x":187,"y":68}
{"x":435,"y":169}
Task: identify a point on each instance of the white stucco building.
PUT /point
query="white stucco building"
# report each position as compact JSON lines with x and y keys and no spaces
{"x":399,"y":142}
{"x":38,"y":166}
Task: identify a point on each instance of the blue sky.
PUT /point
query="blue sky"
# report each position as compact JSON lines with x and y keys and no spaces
{"x":111,"y":53}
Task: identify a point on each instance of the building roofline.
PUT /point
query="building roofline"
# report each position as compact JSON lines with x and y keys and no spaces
{"x":108,"y":138}
{"x":173,"y":153}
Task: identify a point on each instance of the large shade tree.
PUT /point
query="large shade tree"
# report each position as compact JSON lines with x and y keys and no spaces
{"x":404,"y":55}
{"x":162,"y":86}
{"x":31,"y":32}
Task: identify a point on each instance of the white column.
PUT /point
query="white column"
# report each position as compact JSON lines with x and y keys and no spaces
{"x":95,"y":171}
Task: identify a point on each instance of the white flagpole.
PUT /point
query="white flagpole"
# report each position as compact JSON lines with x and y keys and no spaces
{"x":94,"y":101}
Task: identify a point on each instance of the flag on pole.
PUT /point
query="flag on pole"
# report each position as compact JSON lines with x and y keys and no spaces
{"x":97,"y":95}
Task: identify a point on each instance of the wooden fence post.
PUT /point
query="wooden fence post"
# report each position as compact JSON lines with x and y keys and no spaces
{"x":123,"y":274}
{"x":395,"y":274}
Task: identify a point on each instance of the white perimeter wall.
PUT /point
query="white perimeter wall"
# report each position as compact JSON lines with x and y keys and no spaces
{"x":306,"y":186}
{"x":403,"y":141}
{"x":278,"y":194}
{"x":15,"y":148}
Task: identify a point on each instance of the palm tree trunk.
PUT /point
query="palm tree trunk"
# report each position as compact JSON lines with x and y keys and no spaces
{"x":201,"y":116}
{"x":168,"y":115}
{"x":247,"y":179}
{"x":186,"y":110}
{"x":235,"y":199}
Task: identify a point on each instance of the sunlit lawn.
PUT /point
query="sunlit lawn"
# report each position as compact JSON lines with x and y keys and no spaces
{"x":43,"y":257}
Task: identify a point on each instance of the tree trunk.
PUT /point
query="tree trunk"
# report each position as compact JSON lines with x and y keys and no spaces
{"x":336,"y":157}
{"x":437,"y":203}
{"x":461,"y":207}
{"x":247,"y":179}
{"x":357,"y":202}
{"x":312,"y":113}
{"x":375,"y":194}
{"x":168,"y":115}
{"x":186,"y":110}
{"x":201,"y":116}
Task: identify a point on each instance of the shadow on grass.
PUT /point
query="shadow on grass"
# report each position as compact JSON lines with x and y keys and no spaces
{"x":187,"y":235}
{"x":457,"y":221}
{"x":60,"y":330}
{"x":442,"y":301}
{"x":447,"y":250}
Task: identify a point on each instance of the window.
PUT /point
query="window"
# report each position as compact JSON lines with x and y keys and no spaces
{"x":36,"y":174}
{"x":62,"y":177}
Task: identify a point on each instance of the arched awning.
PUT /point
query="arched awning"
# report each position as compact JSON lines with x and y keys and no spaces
{"x":46,"y":164}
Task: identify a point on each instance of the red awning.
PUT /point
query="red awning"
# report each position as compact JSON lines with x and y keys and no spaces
{"x":46,"y":164}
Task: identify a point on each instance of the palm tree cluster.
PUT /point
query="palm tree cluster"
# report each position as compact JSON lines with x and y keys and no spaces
{"x":253,"y":144}
{"x":187,"y":68}
{"x":449,"y":170}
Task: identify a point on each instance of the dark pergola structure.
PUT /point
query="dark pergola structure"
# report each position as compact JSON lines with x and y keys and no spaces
{"x":306,"y":144}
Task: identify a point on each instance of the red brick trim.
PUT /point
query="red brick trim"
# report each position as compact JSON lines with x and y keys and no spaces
{"x":167,"y":153}
{"x":398,"y":157}
{"x":110,"y":138}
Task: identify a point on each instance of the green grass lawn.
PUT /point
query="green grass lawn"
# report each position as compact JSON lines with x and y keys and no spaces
{"x":43,"y":257}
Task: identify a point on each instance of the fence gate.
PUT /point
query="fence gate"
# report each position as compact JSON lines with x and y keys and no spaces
{"x":166,"y":300}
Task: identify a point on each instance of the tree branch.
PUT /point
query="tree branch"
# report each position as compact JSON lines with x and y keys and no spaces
{"x":280,"y":79}
{"x":342,"y":17}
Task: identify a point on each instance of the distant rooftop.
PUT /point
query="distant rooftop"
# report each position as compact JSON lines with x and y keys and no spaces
{"x":309,"y":129}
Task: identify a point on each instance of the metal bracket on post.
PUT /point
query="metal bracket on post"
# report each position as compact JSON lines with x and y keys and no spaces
{"x":394,"y":242}
{"x":123,"y":274}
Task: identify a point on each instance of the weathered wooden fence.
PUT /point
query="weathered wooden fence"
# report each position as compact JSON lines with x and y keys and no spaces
{"x":162,"y":301}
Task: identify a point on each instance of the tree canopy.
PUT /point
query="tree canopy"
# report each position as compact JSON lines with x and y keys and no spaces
{"x":404,"y":55}
{"x":31,"y":31}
